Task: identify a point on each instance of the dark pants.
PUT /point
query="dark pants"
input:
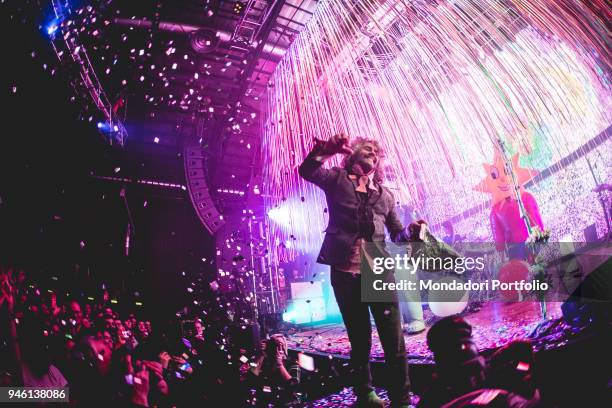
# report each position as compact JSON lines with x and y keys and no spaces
{"x":387,"y":316}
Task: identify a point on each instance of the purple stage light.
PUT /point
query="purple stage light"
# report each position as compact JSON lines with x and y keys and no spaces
{"x":280,"y":215}
{"x":440,"y":107}
{"x":52,"y":28}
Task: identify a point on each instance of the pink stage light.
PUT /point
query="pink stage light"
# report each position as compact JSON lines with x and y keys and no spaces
{"x":280,"y":216}
{"x":439,"y":84}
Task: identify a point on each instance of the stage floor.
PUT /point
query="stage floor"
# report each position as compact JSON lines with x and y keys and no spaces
{"x":494,"y":325}
{"x":345,"y":398}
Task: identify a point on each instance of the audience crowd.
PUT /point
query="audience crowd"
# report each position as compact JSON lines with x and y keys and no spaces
{"x":106,"y":358}
{"x":110,"y":359}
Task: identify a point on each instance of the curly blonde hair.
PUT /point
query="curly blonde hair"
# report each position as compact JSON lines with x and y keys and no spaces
{"x":349,"y":160}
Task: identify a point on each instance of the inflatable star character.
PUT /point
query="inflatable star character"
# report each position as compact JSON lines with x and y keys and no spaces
{"x":506,"y":223}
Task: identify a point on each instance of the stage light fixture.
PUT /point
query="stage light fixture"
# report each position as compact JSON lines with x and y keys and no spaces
{"x":51,"y":29}
{"x":229,"y":191}
{"x":52,"y":26}
{"x":280,"y":215}
{"x":203,"y":41}
{"x":239,"y":8}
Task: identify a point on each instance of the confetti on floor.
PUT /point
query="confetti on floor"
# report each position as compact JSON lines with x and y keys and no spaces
{"x":495,"y":325}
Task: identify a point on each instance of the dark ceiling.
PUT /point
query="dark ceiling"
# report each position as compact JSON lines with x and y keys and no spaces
{"x":188,"y":69}
{"x":61,"y":183}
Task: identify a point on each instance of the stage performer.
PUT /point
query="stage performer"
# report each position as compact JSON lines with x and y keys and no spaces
{"x":508,"y":227}
{"x":359,"y":209}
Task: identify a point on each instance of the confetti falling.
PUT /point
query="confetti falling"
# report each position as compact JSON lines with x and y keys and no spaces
{"x":438,"y":84}
{"x":110,"y":54}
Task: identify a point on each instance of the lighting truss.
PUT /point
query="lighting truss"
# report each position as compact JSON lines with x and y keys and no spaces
{"x":77,"y":54}
{"x":254,"y":15}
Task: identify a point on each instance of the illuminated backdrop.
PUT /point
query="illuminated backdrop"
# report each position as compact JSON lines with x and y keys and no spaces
{"x":439,"y":83}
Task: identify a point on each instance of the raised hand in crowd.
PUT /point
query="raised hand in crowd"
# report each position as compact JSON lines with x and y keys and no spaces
{"x":140,"y":389}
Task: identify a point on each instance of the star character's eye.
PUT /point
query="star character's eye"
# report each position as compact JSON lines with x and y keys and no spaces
{"x":494,"y":173}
